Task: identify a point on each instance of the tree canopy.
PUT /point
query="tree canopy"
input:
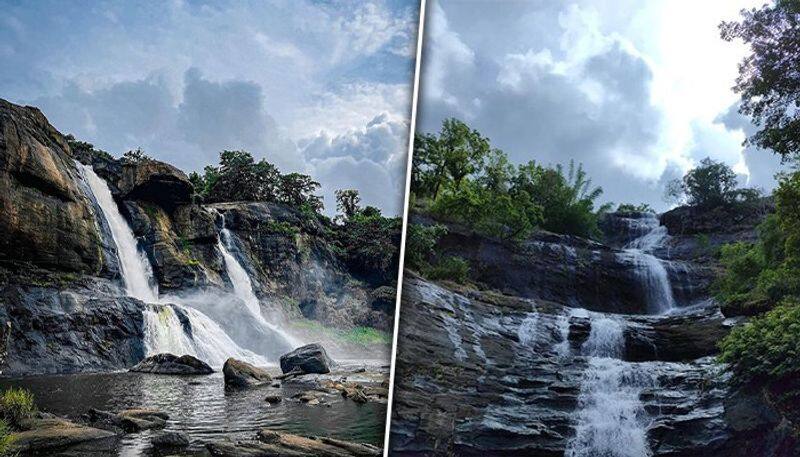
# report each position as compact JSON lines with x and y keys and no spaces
{"x":709,"y":185}
{"x":461,"y":177}
{"x":769,"y":80}
{"x":240,"y":178}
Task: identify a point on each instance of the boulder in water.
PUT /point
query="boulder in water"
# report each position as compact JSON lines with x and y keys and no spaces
{"x":310,"y":358}
{"x":171,"y":364}
{"x":42,"y":435}
{"x":240,"y":374}
{"x":277,"y":443}
{"x":170,"y":440}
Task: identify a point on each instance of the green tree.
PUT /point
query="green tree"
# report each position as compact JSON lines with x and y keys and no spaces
{"x":347,"y":202}
{"x":297,"y":189}
{"x":709,"y":185}
{"x":768,"y":81}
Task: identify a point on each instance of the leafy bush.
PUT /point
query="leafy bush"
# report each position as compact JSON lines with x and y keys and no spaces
{"x":17,"y":405}
{"x":6,"y":438}
{"x":420,"y":243}
{"x":451,"y":268}
{"x":765,"y":348}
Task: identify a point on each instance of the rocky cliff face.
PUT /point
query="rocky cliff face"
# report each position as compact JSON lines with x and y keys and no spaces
{"x":60,"y":276}
{"x":45,"y":218}
{"x":556,"y":352}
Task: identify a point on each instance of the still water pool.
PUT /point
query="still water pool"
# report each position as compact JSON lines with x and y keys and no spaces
{"x":200,"y":407}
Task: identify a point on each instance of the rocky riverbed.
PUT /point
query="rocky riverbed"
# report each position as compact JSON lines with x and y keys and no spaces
{"x":108,"y":412}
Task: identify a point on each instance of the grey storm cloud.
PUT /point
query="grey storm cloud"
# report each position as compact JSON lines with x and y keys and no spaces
{"x":547,"y":87}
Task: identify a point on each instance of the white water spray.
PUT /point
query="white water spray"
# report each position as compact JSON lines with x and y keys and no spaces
{"x":243,"y":286}
{"x":611,"y":418}
{"x":648,"y":268}
{"x":163,"y":330}
{"x":136,"y":271}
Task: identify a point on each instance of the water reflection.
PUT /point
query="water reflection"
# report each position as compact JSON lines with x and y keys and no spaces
{"x":200,"y":407}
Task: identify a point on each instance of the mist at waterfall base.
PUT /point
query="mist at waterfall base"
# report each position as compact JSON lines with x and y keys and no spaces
{"x":212,"y":324}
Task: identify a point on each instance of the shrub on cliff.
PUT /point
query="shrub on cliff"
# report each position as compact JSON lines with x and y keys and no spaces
{"x":420,"y":244}
{"x":451,"y":268}
{"x":758,"y":275}
{"x":240,"y":178}
{"x":463,"y":179}
{"x":6,"y":438}
{"x":768,"y":347}
{"x":370,"y":243}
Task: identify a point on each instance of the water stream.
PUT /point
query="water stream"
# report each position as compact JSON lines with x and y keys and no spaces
{"x":164,"y":331}
{"x":611,"y":420}
{"x":137,"y":273}
{"x":243,"y":288}
{"x":649,"y":269}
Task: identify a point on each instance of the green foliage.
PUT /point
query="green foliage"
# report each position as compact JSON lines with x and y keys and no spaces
{"x":462,"y":179}
{"x":768,"y":80}
{"x":16,"y":405}
{"x":135,"y":156}
{"x":347,"y":202}
{"x":767,"y":347}
{"x":282,"y":227}
{"x":758,"y":275}
{"x":370,"y":244}
{"x":240,"y":178}
{"x":366,"y":336}
{"x":709,"y":185}
{"x":420,"y":243}
{"x":6,"y":438}
{"x":451,"y":268}
{"x":78,"y":146}
{"x":628,"y":208}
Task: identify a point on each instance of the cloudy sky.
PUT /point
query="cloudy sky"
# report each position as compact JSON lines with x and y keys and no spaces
{"x":636,"y":91}
{"x":320,"y":87}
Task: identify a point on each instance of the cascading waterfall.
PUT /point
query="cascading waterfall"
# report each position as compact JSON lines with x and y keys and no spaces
{"x":650,"y":269}
{"x":611,"y":418}
{"x":163,"y":330}
{"x":243,"y":286}
{"x":136,"y":271}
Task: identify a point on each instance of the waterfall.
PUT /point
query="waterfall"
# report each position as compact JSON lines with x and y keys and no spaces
{"x":528,"y":329}
{"x":611,"y":419}
{"x":135,"y":267}
{"x":243,"y":288}
{"x":164,"y":331}
{"x":649,"y":269}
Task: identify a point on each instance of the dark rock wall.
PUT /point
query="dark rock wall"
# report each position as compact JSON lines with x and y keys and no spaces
{"x":45,"y":218}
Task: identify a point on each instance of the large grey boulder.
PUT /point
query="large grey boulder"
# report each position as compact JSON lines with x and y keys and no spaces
{"x":172,"y":364}
{"x":310,"y":358}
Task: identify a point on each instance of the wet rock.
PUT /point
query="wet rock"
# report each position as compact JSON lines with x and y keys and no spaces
{"x":310,"y":358}
{"x":46,"y":217}
{"x":273,"y":399}
{"x":172,"y":364}
{"x":272,"y":443}
{"x":40,"y":436}
{"x":129,"y":420}
{"x":170,"y":440}
{"x":240,"y":374}
{"x":65,"y":329}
